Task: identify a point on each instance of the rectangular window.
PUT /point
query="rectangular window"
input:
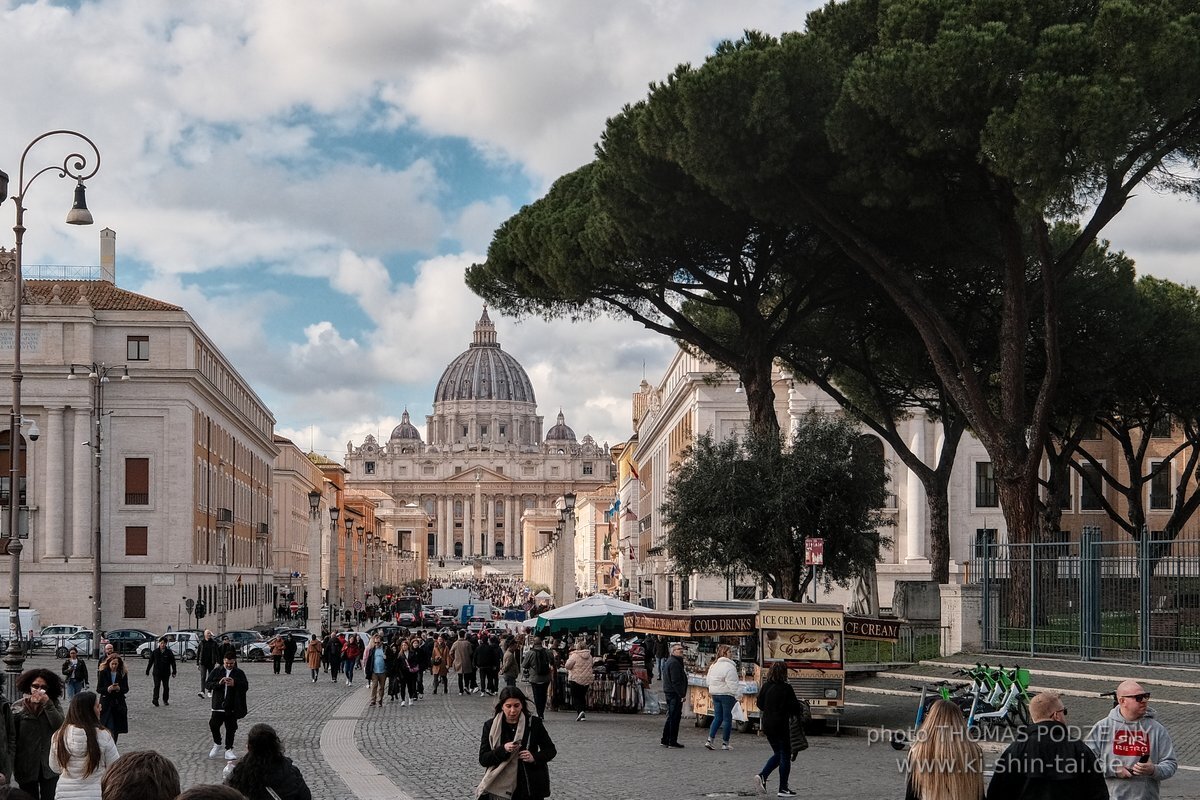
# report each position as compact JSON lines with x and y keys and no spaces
{"x":985,"y":485}
{"x":1160,"y":486}
{"x":1160,"y":428}
{"x":137,"y":348}
{"x":587,"y":468}
{"x":483,"y":431}
{"x":135,"y":602}
{"x":369,"y":467}
{"x":1090,"y":488}
{"x":464,"y":430}
{"x":503,"y":431}
{"x":985,"y":538}
{"x":137,"y":481}
{"x":136,"y":541}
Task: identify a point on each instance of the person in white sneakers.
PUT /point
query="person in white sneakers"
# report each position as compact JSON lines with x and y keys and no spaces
{"x":724,"y":687}
{"x":228,"y":685}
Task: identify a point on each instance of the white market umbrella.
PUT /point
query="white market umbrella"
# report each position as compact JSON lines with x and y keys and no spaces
{"x":544,"y":595}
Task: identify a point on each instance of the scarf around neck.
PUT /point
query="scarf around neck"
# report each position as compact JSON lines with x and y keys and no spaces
{"x":501,"y":779}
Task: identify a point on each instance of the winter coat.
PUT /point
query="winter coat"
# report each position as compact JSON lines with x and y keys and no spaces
{"x":78,"y":674}
{"x":206,"y":656}
{"x":31,"y":747}
{"x":312,"y":654}
{"x":487,"y":656}
{"x":776,"y":704}
{"x":722,"y":678}
{"x":533,"y":780}
{"x":462,"y":657}
{"x":276,"y":645}
{"x":7,"y":738}
{"x":1045,"y":763}
{"x":1118,"y":742}
{"x":538,"y":664}
{"x":674,"y":677}
{"x":440,"y":664}
{"x":228,"y":699}
{"x":282,"y":776}
{"x":114,"y":711}
{"x":510,"y":665}
{"x":368,"y":661}
{"x":162,"y":663}
{"x":289,"y":648}
{"x":72,"y":784}
{"x":579,"y":667}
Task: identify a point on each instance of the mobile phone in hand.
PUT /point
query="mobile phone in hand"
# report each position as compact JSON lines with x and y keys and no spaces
{"x":1144,"y":759}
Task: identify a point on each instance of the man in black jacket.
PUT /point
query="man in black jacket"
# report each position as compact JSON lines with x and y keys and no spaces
{"x":162,"y":663}
{"x":674,"y":678}
{"x":228,"y":685}
{"x":206,"y":659}
{"x":1046,"y":763}
{"x":289,"y":652}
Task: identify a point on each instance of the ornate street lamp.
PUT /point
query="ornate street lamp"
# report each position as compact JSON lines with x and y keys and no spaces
{"x":74,"y":165}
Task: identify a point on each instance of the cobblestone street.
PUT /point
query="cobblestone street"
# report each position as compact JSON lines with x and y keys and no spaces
{"x":428,"y":751}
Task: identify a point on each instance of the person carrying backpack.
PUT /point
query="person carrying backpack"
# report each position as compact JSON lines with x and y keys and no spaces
{"x":536,"y":665}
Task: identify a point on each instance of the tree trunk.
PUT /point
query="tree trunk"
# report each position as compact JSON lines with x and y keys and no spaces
{"x":760,"y":398}
{"x":1018,"y":501}
{"x":937,"y":502}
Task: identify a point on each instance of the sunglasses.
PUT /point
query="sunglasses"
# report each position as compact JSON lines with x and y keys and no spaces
{"x":1063,"y":711}
{"x":1139,"y":698}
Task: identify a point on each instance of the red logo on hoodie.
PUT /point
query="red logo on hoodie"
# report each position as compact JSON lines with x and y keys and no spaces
{"x":1131,"y":743}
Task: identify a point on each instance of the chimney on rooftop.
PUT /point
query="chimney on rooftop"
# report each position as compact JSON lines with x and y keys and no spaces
{"x":108,"y":256}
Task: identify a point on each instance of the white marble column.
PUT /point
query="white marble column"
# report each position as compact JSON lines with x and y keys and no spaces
{"x":54,"y":529}
{"x":508,"y":527}
{"x":914,"y":500}
{"x":81,"y":486}
{"x":489,"y":539}
{"x":468,"y":534}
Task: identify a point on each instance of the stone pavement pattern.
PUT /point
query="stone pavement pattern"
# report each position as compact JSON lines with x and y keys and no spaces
{"x":429,"y":750}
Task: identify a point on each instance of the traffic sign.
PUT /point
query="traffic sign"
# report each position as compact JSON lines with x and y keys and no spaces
{"x":814,"y":552}
{"x":294,"y":606}
{"x":358,"y":605}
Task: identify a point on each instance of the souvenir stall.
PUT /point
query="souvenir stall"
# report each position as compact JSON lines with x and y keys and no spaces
{"x":620,"y":691}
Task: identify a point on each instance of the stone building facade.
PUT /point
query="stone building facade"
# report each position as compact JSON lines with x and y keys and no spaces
{"x":161,"y":453}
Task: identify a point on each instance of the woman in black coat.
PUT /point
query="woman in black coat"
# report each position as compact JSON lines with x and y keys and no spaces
{"x":265,"y":767}
{"x":112,"y":684}
{"x":777,"y":704}
{"x":515,"y":749}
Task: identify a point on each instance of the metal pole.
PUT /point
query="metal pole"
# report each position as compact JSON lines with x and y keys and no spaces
{"x":97,"y":455}
{"x":224,"y":521}
{"x":313,"y":601}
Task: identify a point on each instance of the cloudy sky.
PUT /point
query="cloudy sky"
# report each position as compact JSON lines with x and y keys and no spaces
{"x":310,"y":179}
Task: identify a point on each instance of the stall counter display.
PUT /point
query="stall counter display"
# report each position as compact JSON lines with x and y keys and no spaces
{"x":697,"y":663}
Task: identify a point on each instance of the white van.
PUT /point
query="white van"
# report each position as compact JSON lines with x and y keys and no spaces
{"x":31,"y":620}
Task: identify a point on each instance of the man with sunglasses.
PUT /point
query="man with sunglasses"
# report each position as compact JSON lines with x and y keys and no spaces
{"x":1046,"y":761}
{"x":1134,"y":748}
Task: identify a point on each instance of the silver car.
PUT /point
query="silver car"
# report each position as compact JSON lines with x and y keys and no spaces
{"x":184,"y":644}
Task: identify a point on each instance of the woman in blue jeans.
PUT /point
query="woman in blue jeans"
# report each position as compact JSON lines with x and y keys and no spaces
{"x":777,"y":704}
{"x":724,"y":688}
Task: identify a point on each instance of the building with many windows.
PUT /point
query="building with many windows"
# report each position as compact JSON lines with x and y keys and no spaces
{"x":148,"y":435}
{"x":486,"y":462}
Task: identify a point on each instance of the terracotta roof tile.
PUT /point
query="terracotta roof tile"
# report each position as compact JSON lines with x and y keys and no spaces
{"x":100,"y":295}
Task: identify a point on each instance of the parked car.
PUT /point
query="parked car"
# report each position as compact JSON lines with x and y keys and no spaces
{"x":126,"y":641}
{"x":477,"y":624}
{"x":261,"y":651}
{"x":240,"y":639}
{"x":81,"y":640}
{"x":184,"y":644}
{"x":387,"y":630}
{"x":54,"y":635}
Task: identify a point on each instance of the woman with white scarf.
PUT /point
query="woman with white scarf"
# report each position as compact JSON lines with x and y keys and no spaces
{"x":514,"y":749}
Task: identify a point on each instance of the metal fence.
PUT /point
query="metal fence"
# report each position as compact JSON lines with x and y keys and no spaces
{"x":915,"y":643}
{"x":1128,"y":599}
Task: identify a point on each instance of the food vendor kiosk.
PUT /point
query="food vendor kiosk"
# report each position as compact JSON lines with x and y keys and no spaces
{"x":807,"y":637}
{"x":701,"y":629}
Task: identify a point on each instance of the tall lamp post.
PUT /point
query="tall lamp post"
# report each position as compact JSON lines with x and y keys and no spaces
{"x":260,"y":539}
{"x":351,"y":561}
{"x":334,"y":570}
{"x":74,"y":165}
{"x":98,"y":374}
{"x":224,"y":525}
{"x":313,"y":601}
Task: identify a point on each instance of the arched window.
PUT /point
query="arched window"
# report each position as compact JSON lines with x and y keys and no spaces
{"x":458,"y":549}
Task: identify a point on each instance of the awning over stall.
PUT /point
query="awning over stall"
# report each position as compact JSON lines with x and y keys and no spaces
{"x":691,"y":623}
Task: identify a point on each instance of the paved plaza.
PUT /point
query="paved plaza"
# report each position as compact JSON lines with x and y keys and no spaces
{"x":350,"y":751}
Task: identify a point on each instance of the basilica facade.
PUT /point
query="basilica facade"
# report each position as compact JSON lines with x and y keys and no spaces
{"x":485,"y":468}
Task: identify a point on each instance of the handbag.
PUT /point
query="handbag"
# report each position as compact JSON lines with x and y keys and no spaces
{"x":739,"y":713}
